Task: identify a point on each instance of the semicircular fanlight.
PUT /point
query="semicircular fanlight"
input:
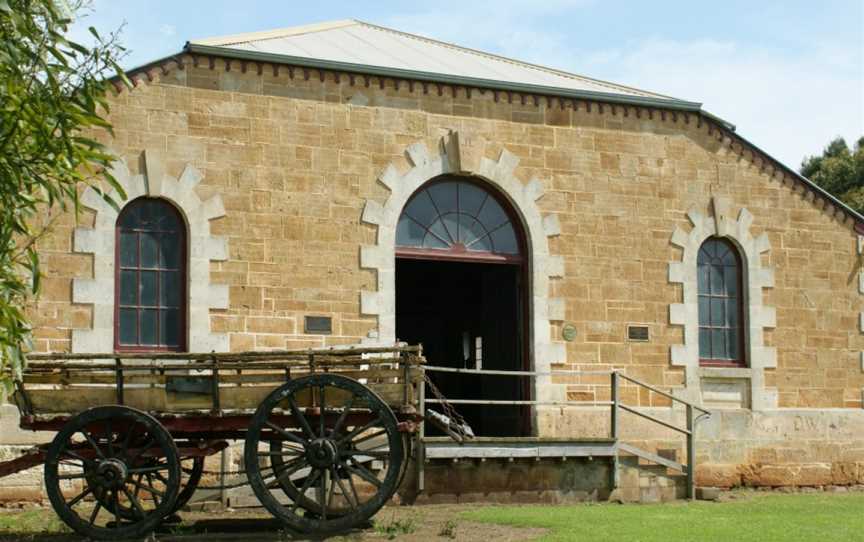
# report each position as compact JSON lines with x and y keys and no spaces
{"x":456,"y":216}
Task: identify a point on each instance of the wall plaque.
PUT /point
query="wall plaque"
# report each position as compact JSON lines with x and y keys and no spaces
{"x":319,"y":325}
{"x":638,"y":333}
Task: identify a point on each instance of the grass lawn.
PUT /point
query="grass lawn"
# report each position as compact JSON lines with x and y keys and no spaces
{"x":818,"y":517}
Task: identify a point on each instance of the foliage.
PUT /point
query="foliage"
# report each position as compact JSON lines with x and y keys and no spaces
{"x":840,"y":171}
{"x":395,"y":527}
{"x":52,"y":97}
{"x":751,"y":517}
{"x":448,"y":530}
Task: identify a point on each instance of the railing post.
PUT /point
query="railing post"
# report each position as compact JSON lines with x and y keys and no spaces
{"x":613,"y":427}
{"x":420,"y":456}
{"x":691,"y":454}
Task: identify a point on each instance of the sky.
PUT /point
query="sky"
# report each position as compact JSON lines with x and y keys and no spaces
{"x":789,"y":75}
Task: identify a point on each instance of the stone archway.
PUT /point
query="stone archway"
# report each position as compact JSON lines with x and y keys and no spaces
{"x":457,"y":153}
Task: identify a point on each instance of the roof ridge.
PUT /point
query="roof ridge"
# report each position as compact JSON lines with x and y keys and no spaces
{"x":538,"y":67}
{"x":263,"y":35}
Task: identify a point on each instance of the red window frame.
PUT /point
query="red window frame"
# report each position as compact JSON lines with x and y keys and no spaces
{"x":741,"y":361}
{"x":182,"y":268}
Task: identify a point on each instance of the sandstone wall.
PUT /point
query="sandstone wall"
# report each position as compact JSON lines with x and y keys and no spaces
{"x":296,"y":158}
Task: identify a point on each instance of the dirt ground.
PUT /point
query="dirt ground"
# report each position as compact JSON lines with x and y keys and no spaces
{"x":403,"y":523}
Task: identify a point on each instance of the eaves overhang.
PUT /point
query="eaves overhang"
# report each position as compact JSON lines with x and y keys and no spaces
{"x":431,"y":77}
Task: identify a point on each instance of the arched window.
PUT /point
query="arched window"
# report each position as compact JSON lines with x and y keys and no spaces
{"x":150,"y":291}
{"x":721,"y":329}
{"x":456,"y":218}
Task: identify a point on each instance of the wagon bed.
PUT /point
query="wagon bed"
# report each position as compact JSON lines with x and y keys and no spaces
{"x":327,"y":432}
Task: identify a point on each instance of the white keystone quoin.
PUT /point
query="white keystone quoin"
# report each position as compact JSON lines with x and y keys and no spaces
{"x":202,"y":248}
{"x":757,"y":316}
{"x":458,"y":154}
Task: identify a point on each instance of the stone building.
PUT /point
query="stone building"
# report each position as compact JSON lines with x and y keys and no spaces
{"x":346,"y":183}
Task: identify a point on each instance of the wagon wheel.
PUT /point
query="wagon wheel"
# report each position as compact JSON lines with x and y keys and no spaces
{"x":115,"y":458}
{"x":338,"y":468}
{"x":191,"y":470}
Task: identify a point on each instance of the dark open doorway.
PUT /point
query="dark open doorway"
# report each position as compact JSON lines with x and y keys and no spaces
{"x":468,"y":315}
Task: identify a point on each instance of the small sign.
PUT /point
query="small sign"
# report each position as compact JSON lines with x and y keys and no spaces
{"x":638,"y":333}
{"x":319,"y":325}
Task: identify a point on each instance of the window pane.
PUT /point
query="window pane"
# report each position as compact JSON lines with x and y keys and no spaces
{"x":430,"y":241}
{"x":421,"y":209}
{"x":437,"y":228}
{"x":128,"y":249}
{"x":504,"y":240}
{"x":731,"y":280}
{"x":716,"y":278}
{"x":718,"y":344}
{"x":409,"y":233}
{"x":170,"y":326}
{"x":704,"y":305}
{"x":449,"y":222}
{"x":170,"y":289}
{"x":128,"y":331}
{"x":733,"y":344}
{"x":492,"y":215}
{"x":444,"y":195}
{"x":148,"y":327}
{"x":484,"y":244}
{"x":148,"y":288}
{"x":128,"y":287}
{"x":718,"y":312}
{"x":470,"y":198}
{"x":732,"y":310}
{"x":469,"y":230}
{"x":169,"y":251}
{"x":702,"y":273}
{"x":705,"y":344}
{"x":149,"y":250}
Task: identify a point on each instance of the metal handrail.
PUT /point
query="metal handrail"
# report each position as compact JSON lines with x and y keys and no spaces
{"x":615,"y":406}
{"x":661,"y":392}
{"x":439,"y":369}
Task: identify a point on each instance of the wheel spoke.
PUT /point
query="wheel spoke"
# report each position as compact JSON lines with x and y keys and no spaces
{"x":338,"y":425}
{"x":352,"y":504}
{"x":135,"y":503}
{"x":357,"y":430}
{"x":116,"y":500}
{"x":364,"y":473}
{"x":301,"y":418}
{"x":282,"y":453}
{"x":126,"y":440}
{"x":145,"y":470}
{"x":370,"y":437}
{"x":321,"y":408}
{"x":156,"y":494}
{"x":149,"y":487}
{"x":286,"y":472}
{"x":306,"y":485}
{"x":332,"y":490}
{"x":351,"y":484}
{"x":95,"y":512}
{"x":375,"y":454}
{"x":92,"y":443}
{"x":75,"y":476}
{"x":143,"y":449}
{"x":321,"y":490}
{"x":287,"y":434}
{"x":73,"y":455}
{"x":80,"y":496}
{"x":109,"y":437}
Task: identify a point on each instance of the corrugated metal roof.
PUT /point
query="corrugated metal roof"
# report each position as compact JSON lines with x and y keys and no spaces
{"x":360,"y":43}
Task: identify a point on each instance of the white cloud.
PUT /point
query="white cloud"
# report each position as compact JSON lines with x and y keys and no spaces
{"x":790,"y":104}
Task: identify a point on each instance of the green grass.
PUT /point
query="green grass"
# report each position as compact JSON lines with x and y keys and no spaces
{"x":40,"y":521}
{"x":820,"y":517}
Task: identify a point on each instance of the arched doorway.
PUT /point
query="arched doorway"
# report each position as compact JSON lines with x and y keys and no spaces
{"x":461,"y":262}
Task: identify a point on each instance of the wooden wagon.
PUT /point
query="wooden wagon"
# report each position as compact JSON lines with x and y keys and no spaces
{"x":327,"y":432}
